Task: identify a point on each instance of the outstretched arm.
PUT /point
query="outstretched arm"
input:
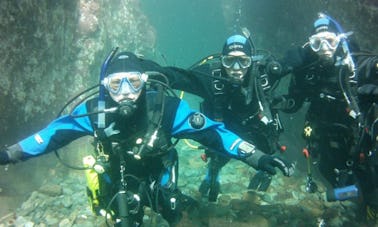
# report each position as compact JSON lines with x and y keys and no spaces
{"x":57,"y":134}
{"x":187,"y":80}
{"x":194,"y":125}
{"x":295,"y":63}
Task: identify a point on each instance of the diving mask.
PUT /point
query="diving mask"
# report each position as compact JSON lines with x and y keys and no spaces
{"x":124,"y":82}
{"x":331,"y":40}
{"x":243,"y":61}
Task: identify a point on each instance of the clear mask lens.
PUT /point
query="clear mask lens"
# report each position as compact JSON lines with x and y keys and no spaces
{"x":125,"y":82}
{"x":244,"y":61}
{"x":325,"y":38}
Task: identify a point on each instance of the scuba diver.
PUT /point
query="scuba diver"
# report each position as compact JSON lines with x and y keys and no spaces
{"x":132,"y":120}
{"x":367,"y":71}
{"x":325,"y":73}
{"x":237,"y":89}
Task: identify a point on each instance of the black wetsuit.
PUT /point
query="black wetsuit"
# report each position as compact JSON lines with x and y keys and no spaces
{"x":238,"y":106}
{"x":332,"y":120}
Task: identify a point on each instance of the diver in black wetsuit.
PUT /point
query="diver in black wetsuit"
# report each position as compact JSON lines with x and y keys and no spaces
{"x":237,"y":88}
{"x":338,"y":83}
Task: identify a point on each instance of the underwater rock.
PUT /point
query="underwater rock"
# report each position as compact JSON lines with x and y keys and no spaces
{"x":21,"y":221}
{"x":238,"y":204}
{"x":51,"y":190}
{"x":257,"y":220}
{"x":51,"y":220}
{"x":252,"y":196}
{"x":224,"y":199}
{"x":65,"y":222}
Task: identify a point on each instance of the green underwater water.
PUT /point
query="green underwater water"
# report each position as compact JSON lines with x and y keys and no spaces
{"x":187,"y":31}
{"x":200,"y":30}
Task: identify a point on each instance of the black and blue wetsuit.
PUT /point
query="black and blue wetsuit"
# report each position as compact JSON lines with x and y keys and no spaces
{"x":157,"y":170}
{"x":134,"y":147}
{"x":176,"y":123}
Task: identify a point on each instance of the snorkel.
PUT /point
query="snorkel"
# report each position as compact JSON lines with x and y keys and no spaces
{"x":344,"y":43}
{"x":247,"y":34}
{"x":101,"y":98}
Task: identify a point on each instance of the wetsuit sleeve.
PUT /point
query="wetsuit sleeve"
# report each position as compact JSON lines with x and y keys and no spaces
{"x":57,"y":134}
{"x":187,"y":80}
{"x":296,"y":96}
{"x":368,"y":77}
{"x":191,"y":124}
{"x":178,"y":78}
{"x":293,"y":62}
{"x":194,"y":125}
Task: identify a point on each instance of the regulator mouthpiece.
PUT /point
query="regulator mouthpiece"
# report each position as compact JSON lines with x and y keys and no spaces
{"x":127,"y":108}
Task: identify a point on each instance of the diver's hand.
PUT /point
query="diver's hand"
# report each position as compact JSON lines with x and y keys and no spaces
{"x":109,"y":131}
{"x":11,"y":154}
{"x":368,"y":90}
{"x":4,"y":158}
{"x":283,"y":102}
{"x":268,"y":163}
{"x":274,"y":68}
{"x":261,"y":161}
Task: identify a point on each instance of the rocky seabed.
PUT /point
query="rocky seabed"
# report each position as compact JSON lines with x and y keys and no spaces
{"x":62,"y":201}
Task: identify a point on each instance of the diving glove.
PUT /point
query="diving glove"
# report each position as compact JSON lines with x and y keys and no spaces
{"x":10,"y":154}
{"x":368,"y":90}
{"x":283,"y":103}
{"x":4,"y":158}
{"x":267,"y":163}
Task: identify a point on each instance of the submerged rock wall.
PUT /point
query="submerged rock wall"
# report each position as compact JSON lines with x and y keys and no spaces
{"x":51,"y":50}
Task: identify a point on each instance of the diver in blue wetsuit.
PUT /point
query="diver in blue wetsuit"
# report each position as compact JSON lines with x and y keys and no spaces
{"x":132,"y":121}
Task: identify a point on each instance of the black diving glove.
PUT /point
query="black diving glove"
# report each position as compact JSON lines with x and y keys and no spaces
{"x":268,"y":163}
{"x":283,"y":102}
{"x":4,"y":158}
{"x":261,"y":161}
{"x":10,"y":154}
{"x":368,"y":90}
